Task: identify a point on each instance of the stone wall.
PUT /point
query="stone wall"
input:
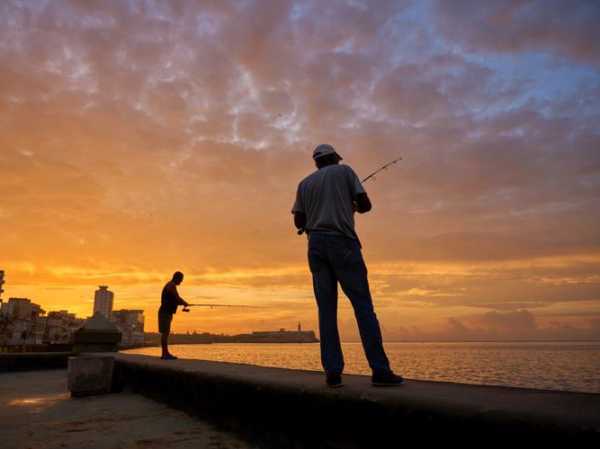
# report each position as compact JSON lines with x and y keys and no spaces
{"x":33,"y":361}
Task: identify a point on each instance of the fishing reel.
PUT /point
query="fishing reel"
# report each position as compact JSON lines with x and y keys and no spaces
{"x":185,"y":309}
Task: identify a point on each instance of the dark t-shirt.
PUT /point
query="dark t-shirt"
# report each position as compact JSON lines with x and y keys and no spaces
{"x":169,"y":299}
{"x":326,"y":198}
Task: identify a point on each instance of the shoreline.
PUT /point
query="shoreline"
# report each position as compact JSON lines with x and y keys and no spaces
{"x":552,"y":366}
{"x":61,"y":347}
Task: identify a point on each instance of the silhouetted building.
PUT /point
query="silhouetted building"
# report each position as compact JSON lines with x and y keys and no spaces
{"x":103,"y":301}
{"x":23,"y":322}
{"x":4,"y":323}
{"x":131,"y":325}
{"x":22,"y":309}
{"x":1,"y":290}
{"x":1,"y":283}
{"x":60,"y":326}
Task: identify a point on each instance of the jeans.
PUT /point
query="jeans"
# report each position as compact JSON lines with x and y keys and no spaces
{"x":334,"y":259}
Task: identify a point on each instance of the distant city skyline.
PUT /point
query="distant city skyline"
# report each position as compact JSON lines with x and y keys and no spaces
{"x":25,"y":322}
{"x":138,"y":139}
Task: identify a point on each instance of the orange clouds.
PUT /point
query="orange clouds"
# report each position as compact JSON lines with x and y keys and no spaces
{"x":136,"y":139}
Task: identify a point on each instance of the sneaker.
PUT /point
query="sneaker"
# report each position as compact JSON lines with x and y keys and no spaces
{"x":334,"y":380}
{"x":168,"y":357}
{"x":386,"y":379}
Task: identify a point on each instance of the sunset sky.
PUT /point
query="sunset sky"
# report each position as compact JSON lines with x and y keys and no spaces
{"x":142,"y":137}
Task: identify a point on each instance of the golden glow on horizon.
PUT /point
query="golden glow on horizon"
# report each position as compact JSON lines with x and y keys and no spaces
{"x":283,"y":294}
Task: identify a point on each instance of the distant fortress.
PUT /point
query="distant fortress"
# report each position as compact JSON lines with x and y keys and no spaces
{"x":280,"y":336}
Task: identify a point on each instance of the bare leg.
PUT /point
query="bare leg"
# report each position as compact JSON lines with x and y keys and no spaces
{"x":164,"y":342}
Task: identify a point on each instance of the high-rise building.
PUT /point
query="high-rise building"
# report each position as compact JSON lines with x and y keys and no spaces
{"x":103,"y":301}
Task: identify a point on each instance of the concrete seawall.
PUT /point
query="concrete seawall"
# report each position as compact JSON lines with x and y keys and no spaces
{"x":293,"y":409}
{"x":33,"y":361}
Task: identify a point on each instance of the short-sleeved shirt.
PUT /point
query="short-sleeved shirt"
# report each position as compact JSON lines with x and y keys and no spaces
{"x":326,"y":198}
{"x":169,"y":299}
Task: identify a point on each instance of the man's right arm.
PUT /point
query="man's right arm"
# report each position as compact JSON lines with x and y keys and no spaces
{"x":300,"y":220}
{"x":173,"y":293}
{"x":180,"y":300}
{"x":298,"y":211}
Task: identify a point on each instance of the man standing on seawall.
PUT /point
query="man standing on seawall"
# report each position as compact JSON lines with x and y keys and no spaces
{"x":169,"y":300}
{"x":325,"y":204}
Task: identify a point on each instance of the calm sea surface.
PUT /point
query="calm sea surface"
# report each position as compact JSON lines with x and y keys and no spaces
{"x":552,"y":365}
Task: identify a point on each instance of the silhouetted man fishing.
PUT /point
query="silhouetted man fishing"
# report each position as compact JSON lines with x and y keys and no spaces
{"x":325,"y":204}
{"x":169,"y":301}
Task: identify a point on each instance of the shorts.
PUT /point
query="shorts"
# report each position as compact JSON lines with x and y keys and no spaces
{"x":164,"y":322}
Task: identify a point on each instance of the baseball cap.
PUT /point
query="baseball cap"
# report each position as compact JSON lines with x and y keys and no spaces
{"x":323,"y":150}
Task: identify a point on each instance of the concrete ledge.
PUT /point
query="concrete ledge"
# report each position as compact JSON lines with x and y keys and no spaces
{"x":288,"y":408}
{"x":33,"y":361}
{"x":89,"y":375}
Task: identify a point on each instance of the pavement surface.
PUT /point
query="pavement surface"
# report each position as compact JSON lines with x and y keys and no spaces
{"x":37,"y":412}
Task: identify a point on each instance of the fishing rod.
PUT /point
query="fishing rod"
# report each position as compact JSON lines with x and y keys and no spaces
{"x":245,"y":306}
{"x":371,"y":176}
{"x":380,"y":169}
